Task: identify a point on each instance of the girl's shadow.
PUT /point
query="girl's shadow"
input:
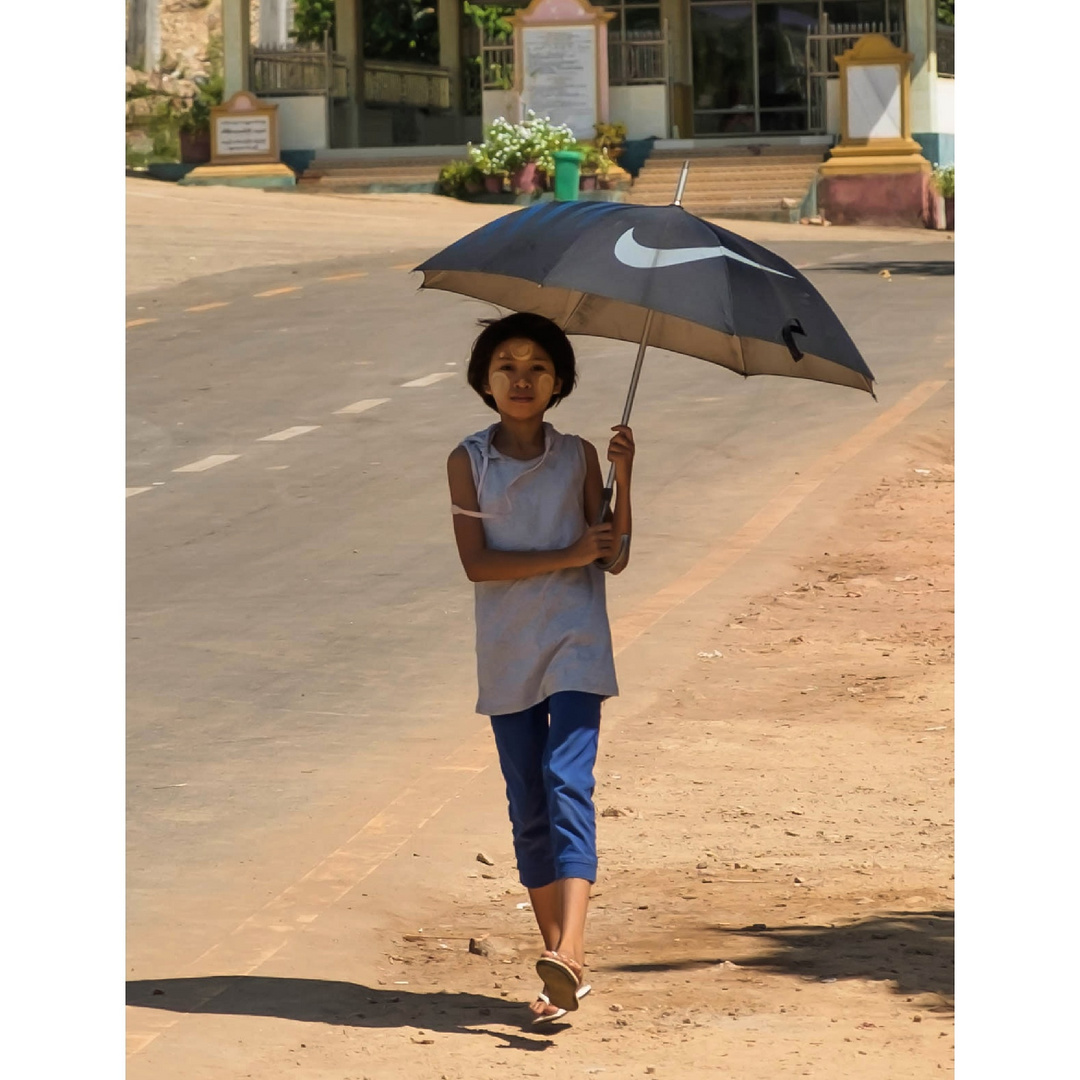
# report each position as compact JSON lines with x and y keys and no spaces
{"x":345,"y":1004}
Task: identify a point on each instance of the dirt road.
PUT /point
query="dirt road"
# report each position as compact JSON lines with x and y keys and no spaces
{"x":308,"y":790}
{"x":775,"y":896}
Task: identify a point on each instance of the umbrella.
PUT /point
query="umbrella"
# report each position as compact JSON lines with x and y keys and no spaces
{"x":659,"y":276}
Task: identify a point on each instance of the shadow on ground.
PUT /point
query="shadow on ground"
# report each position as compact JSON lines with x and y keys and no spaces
{"x":913,"y":950}
{"x":322,"y":1001}
{"x":929,"y":268}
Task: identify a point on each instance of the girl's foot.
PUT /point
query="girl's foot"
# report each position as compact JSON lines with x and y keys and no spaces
{"x":542,"y":1009}
{"x":544,"y":1012}
{"x":563,"y":978}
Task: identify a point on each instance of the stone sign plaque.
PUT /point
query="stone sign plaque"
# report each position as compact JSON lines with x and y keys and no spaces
{"x":873,"y":102}
{"x":559,"y":75}
{"x":244,"y":131}
{"x":561,"y":62}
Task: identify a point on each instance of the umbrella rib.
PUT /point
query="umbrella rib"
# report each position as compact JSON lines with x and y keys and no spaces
{"x":570,"y":318}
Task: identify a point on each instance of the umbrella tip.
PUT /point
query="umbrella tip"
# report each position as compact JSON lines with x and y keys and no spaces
{"x":682,"y":184}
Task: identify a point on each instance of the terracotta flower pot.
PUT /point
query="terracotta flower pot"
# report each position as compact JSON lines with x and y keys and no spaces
{"x":493,"y":184}
{"x":194,"y":147}
{"x":525,"y":179}
{"x":588,"y":182}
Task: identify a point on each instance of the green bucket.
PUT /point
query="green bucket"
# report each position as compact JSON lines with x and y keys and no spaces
{"x":567,"y":174}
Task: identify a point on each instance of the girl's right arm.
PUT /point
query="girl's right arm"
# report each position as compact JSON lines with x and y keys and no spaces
{"x":482,"y":563}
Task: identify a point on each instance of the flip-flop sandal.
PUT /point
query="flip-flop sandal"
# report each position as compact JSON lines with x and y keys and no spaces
{"x":559,"y":1013}
{"x":560,"y":983}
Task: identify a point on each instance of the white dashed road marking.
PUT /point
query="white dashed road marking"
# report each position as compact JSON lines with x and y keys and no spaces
{"x":288,"y":433}
{"x":207,"y":463}
{"x":428,"y":380}
{"x":361,"y":406}
{"x":128,"y":492}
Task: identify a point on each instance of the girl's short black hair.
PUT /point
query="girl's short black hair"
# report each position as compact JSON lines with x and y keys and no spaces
{"x":522,"y":324}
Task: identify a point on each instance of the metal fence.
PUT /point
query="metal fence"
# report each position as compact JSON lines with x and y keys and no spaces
{"x":823,"y":48}
{"x":497,"y":64}
{"x":946,"y":57}
{"x":636,"y":58}
{"x":836,"y":38}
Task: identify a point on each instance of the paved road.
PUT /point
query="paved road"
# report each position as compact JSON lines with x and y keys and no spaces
{"x":300,"y":628}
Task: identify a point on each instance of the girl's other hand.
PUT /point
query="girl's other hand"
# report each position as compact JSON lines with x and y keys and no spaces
{"x":596,"y":542}
{"x":621,"y":453}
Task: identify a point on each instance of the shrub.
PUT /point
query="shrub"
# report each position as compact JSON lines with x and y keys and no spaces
{"x":457,"y":177}
{"x":313,"y":20}
{"x":944,"y":180}
{"x":610,"y":137}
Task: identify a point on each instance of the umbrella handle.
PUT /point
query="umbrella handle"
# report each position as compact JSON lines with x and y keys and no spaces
{"x":624,"y":544}
{"x":605,"y":506}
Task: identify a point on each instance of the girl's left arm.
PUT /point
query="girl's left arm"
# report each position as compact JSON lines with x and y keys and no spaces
{"x":621,"y":454}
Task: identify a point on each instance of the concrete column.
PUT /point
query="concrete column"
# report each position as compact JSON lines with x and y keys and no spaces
{"x":236,"y":45}
{"x":144,"y":34}
{"x":449,"y":15}
{"x":921,"y":18}
{"x":347,"y":43}
{"x":275,"y":22}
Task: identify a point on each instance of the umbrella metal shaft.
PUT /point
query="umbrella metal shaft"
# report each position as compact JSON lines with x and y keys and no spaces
{"x":609,"y":487}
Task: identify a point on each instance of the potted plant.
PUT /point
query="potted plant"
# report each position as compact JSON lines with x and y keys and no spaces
{"x":460,"y":179}
{"x":594,"y":166}
{"x":195,"y":120}
{"x":944,"y":180}
{"x":610,"y":137}
{"x":488,"y":165}
{"x":540,"y":140}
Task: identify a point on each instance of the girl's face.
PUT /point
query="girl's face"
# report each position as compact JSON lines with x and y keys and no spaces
{"x":521,"y":378}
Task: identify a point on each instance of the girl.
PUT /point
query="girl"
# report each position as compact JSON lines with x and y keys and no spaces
{"x":525,"y":499}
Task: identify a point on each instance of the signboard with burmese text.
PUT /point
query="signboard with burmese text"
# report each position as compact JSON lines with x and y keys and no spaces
{"x":244,"y":131}
{"x":561,"y":62}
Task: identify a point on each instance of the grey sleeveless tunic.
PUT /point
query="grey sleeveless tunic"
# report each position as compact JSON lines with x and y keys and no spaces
{"x":542,"y":634}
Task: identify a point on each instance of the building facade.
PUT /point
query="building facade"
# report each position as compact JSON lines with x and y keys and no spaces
{"x":731,"y":70}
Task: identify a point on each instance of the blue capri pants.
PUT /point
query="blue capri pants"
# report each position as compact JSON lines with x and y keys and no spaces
{"x":547,"y":754}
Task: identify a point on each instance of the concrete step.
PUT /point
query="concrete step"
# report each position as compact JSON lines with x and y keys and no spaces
{"x":732,"y":182}
{"x":675,"y":160}
{"x":778,"y":150}
{"x":359,"y":175}
{"x":366,"y":187}
{"x":770,"y":183}
{"x":719,"y":183}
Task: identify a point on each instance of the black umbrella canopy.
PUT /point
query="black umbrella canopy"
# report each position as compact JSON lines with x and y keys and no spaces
{"x":600,"y":268}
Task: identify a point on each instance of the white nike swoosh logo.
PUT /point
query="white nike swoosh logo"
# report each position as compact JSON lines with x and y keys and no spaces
{"x":630,"y":253}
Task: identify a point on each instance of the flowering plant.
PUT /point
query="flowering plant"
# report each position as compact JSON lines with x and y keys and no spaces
{"x":509,"y":147}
